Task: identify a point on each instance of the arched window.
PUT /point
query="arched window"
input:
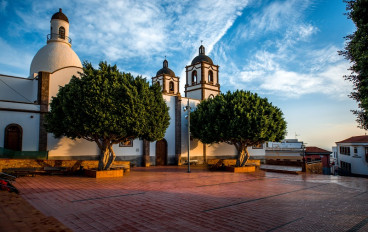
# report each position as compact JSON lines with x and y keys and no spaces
{"x":61,"y":32}
{"x":210,"y":76}
{"x":211,"y":96}
{"x":171,"y":86}
{"x":13,"y":137}
{"x":194,"y":77}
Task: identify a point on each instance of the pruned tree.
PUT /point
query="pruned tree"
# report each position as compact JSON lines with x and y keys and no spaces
{"x":356,"y":51}
{"x":240,"y":118}
{"x":108,"y":107}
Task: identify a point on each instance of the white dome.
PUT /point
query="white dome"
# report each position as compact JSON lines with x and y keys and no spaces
{"x":54,"y":56}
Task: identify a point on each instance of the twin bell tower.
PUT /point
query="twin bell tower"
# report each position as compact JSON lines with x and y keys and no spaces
{"x":202,"y":79}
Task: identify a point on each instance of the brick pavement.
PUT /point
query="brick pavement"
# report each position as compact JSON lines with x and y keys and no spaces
{"x":169,"y":199}
{"x":16,"y":214}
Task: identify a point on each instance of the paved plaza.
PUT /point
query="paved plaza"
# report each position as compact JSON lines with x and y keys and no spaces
{"x":170,"y":199}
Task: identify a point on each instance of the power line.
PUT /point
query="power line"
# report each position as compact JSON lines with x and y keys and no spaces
{"x":16,"y":91}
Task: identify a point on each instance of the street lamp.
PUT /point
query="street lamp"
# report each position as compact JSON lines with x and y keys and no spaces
{"x":188,"y":108}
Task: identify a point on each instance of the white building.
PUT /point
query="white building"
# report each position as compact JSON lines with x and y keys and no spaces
{"x":288,"y":150}
{"x":24,"y":102}
{"x":352,"y":155}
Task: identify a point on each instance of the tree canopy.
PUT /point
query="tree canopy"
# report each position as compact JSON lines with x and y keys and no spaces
{"x":240,"y":118}
{"x":356,"y":50}
{"x":108,"y":107}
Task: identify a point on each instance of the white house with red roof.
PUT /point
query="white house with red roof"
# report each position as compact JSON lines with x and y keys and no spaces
{"x":353,"y":155}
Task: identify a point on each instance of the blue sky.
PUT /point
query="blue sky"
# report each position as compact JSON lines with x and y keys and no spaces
{"x":285,"y":50}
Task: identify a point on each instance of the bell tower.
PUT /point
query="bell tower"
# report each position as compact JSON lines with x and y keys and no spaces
{"x":166,"y":78}
{"x":202,"y":77}
{"x":59,"y":31}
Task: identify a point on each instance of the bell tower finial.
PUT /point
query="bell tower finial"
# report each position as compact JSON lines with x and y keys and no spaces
{"x":201,"y":49}
{"x":165,"y":63}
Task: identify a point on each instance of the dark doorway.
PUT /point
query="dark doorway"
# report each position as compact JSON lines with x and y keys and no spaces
{"x":13,"y":137}
{"x":161,"y":152}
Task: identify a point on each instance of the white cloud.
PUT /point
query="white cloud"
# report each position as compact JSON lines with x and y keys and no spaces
{"x":286,"y":65}
{"x":294,"y":84}
{"x":13,"y":58}
{"x":3,"y":5}
{"x":322,"y":72}
{"x":273,"y":17}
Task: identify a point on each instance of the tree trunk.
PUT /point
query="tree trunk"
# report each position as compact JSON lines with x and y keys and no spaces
{"x":243,"y":155}
{"x":111,"y":157}
{"x":104,"y":156}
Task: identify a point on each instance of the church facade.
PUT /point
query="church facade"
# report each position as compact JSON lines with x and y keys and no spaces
{"x":24,"y":102}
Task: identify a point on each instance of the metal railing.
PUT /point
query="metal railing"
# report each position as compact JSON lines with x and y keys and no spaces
{"x":58,"y":36}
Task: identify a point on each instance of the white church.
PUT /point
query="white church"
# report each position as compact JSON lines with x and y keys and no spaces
{"x":24,"y":102}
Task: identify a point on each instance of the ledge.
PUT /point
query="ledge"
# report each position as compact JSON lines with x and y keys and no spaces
{"x":241,"y":169}
{"x":104,"y":173}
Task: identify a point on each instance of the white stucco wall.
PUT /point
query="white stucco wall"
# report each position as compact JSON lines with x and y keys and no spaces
{"x":135,"y":150}
{"x":54,"y":56}
{"x":55,"y":25}
{"x":220,"y":149}
{"x":357,"y":160}
{"x":196,"y":147}
{"x":30,"y":126}
{"x":61,"y":78}
{"x":65,"y":147}
{"x":170,"y":131}
{"x":18,"y":89}
{"x":196,"y":94}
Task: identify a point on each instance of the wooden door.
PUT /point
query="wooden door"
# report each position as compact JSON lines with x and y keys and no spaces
{"x":13,"y":137}
{"x":161,"y":152}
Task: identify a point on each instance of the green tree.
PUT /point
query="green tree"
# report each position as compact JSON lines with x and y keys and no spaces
{"x":241,"y":118}
{"x":108,"y":107}
{"x":356,"y":50}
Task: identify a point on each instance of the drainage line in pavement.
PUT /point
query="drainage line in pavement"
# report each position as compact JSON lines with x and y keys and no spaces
{"x":98,"y":198}
{"x":359,"y":225}
{"x":261,"y":198}
{"x":233,"y":182}
{"x":278,"y":227}
{"x":360,"y":194}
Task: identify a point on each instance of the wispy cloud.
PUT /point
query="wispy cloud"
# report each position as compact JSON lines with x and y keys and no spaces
{"x":13,"y":58}
{"x":273,"y":17}
{"x":285,"y":64}
{"x":3,"y":5}
{"x":135,"y":35}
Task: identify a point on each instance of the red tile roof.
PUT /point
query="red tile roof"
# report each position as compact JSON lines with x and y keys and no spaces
{"x":316,"y":150}
{"x":356,"y":139}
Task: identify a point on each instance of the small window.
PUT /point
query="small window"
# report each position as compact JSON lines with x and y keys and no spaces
{"x":194,"y":77}
{"x":61,"y":32}
{"x":210,"y":76}
{"x":355,"y":150}
{"x":345,"y":150}
{"x":211,"y":96}
{"x":171,"y":86}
